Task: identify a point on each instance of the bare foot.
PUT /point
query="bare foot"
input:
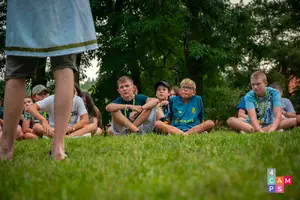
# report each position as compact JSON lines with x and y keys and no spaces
{"x":58,"y":152}
{"x":5,"y":152}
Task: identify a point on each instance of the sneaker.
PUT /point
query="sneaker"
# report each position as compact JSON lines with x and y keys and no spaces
{"x":280,"y":130}
{"x":242,"y":132}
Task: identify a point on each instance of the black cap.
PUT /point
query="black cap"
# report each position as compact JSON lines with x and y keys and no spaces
{"x":164,"y":83}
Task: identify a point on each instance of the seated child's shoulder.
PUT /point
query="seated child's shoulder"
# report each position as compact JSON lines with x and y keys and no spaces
{"x":140,"y":96}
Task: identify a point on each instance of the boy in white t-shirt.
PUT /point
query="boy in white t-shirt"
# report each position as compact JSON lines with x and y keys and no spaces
{"x":78,"y":116}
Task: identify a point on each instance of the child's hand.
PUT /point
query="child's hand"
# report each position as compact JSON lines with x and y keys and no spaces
{"x":46,"y":127}
{"x":163,"y":103}
{"x":136,"y":108}
{"x":133,"y":115}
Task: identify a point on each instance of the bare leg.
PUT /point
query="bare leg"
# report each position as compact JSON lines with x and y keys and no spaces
{"x":239,"y":125}
{"x":205,"y":126}
{"x":298,"y":120}
{"x":90,"y":128}
{"x":38,"y":129}
{"x":159,"y":113}
{"x":29,"y":136}
{"x":13,"y":106}
{"x":19,"y":133}
{"x":165,"y":128}
{"x":142,"y":117}
{"x":64,"y":84}
{"x":288,"y":123}
{"x":119,"y":118}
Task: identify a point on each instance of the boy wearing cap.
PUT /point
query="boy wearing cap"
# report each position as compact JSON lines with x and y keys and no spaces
{"x":186,"y":112}
{"x":77,"y":118}
{"x":130,"y":112}
{"x":162,"y":90}
{"x":38,"y":93}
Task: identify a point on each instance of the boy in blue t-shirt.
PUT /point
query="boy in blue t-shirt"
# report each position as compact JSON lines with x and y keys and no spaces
{"x":263,"y":106}
{"x":186,"y":112}
{"x":130,"y":112}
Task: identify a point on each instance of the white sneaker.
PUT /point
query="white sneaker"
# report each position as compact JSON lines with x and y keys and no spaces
{"x":280,"y":130}
{"x":46,"y":137}
{"x":242,"y":132}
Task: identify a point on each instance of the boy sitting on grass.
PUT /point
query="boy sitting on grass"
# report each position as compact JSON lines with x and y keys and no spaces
{"x":78,"y":116}
{"x":186,"y":112}
{"x":264,"y":109}
{"x":162,"y":90}
{"x":130,"y":112}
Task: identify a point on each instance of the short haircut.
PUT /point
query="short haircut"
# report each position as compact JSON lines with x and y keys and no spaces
{"x":259,"y":75}
{"x":124,"y":79}
{"x":276,"y":86}
{"x":188,"y":81}
{"x":176,"y":90}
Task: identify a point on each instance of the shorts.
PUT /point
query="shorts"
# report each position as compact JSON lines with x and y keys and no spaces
{"x":261,"y":125}
{"x":26,"y":67}
{"x":146,"y":127}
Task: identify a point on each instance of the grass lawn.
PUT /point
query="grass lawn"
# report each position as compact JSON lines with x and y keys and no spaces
{"x":221,"y":165}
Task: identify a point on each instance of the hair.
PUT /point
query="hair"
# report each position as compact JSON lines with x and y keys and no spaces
{"x":176,"y":90}
{"x":28,"y":97}
{"x":135,"y":91}
{"x":89,"y":104}
{"x":259,"y":75}
{"x":78,"y":90}
{"x":188,"y":81}
{"x":123,"y":79}
{"x":276,"y":86}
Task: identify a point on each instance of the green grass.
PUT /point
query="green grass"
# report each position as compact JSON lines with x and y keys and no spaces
{"x":221,"y":165}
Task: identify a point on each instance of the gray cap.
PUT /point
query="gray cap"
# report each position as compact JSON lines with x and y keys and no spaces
{"x":38,"y":89}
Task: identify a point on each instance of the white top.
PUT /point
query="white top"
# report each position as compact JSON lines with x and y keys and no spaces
{"x":45,"y":28}
{"x":78,"y":109}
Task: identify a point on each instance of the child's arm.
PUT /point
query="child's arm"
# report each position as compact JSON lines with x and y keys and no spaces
{"x":84,"y":120}
{"x":34,"y":111}
{"x":253,"y":119}
{"x":277,"y":121}
{"x":290,"y":110}
{"x":113,"y":107}
{"x":242,"y":113}
{"x":150,"y":103}
{"x":26,"y":126}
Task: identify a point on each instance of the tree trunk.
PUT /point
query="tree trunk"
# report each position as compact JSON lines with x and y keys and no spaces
{"x":194,"y":65}
{"x":77,"y":74}
{"x":40,"y":77}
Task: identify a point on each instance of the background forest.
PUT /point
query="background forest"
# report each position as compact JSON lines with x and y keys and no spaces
{"x":216,"y":43}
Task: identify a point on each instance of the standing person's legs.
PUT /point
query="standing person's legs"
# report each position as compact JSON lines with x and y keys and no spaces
{"x":13,"y":106}
{"x":63,"y":67}
{"x":17,"y":69}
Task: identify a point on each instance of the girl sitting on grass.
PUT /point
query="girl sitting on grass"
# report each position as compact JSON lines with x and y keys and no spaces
{"x":28,"y":121}
{"x":94,"y":118}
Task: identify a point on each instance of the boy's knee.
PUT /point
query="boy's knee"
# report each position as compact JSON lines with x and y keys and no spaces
{"x":230,"y":121}
{"x":158,"y":124}
{"x":38,"y":128}
{"x":298,"y":120}
{"x":210,"y":123}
